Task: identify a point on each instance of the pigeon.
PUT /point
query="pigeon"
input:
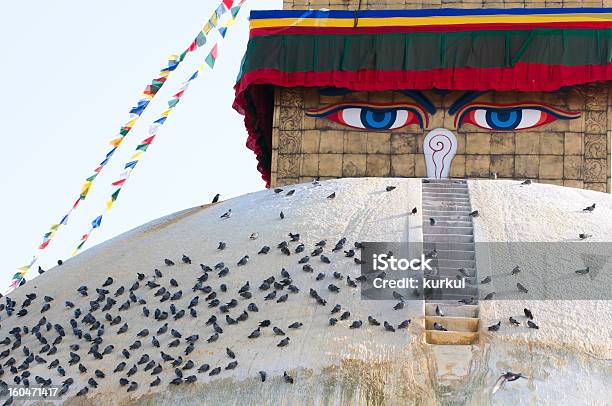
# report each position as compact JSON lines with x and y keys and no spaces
{"x":233,"y":364}
{"x":221,"y":246}
{"x":254,"y":236}
{"x":107,"y":282}
{"x":156,"y":382}
{"x":432,"y":221}
{"x":356,"y":324}
{"x":414,"y":211}
{"x":474,"y":213}
{"x":277,"y":190}
{"x":485,"y":280}
{"x":227,"y":214}
{"x":388,"y":327}
{"x":333,"y":321}
{"x":495,"y":327}
{"x":390,"y":188}
{"x":515,"y":270}
{"x":216,"y":198}
{"x":583,"y":271}
{"x":531,"y":324}
{"x":297,"y":324}
{"x":282,"y":215}
{"x":284,"y":342}
{"x":262,"y":375}
{"x":521,"y":288}
{"x":584,"y":236}
{"x":589,"y":208}
{"x":264,"y":250}
{"x":439,"y":327}
{"x":513,"y":321}
{"x":506,"y":377}
{"x":373,"y":321}
{"x":215,"y":371}
{"x":526,"y":182}
{"x":333,"y":195}
{"x":287,"y":378}
{"x":403,"y":324}
{"x":278,"y":331}
{"x":345,"y":315}
{"x":290,"y":193}
{"x":439,"y":312}
{"x":243,"y":260}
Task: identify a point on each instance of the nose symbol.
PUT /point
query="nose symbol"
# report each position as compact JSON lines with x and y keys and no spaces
{"x":439,"y":148}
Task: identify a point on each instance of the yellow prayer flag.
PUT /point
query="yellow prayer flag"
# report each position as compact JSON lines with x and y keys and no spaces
{"x":230,"y":22}
{"x":136,"y":156}
{"x":24,"y":268}
{"x":109,"y":205}
{"x":54,"y":227}
{"x":131,"y":122}
{"x":116,"y":142}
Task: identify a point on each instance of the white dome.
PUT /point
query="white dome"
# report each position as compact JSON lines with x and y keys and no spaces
{"x":567,"y":359}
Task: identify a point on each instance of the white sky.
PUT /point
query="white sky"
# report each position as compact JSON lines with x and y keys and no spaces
{"x":71,"y":71}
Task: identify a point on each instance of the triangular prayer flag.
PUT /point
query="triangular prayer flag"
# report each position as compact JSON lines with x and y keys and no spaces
{"x":119,"y":182}
{"x":97,"y":221}
{"x":193,"y":46}
{"x":142,"y":147}
{"x":222,"y":31}
{"x":228,"y":3}
{"x":44,"y":245}
{"x":64,"y":220}
{"x":92,"y":177}
{"x":54,"y":227}
{"x":200,"y":40}
{"x":148,"y":140}
{"x":137,"y":155}
{"x":115,"y":142}
{"x":109,"y":205}
{"x":207,"y":27}
{"x":214,"y":20}
{"x":130,"y":164}
{"x":235,"y":11}
{"x":173,"y":102}
{"x":115,"y":194}
{"x":160,"y":120}
{"x":214,"y":51}
{"x":210,"y":60}
{"x":24,"y":268}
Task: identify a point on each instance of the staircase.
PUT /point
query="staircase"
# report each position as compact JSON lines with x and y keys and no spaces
{"x":447,"y":201}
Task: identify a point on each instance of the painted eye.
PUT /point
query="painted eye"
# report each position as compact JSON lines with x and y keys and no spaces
{"x":372,"y":116}
{"x":510,"y":117}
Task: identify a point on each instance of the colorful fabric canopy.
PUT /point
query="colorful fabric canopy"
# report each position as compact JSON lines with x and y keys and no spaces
{"x":453,"y":49}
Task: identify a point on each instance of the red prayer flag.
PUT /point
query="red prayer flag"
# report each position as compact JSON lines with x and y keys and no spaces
{"x":119,"y":182}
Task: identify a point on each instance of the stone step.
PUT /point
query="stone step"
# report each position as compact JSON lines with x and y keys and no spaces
{"x":464,"y":209}
{"x":447,"y":238}
{"x":448,"y":246}
{"x":427,"y":194}
{"x":451,"y":337}
{"x":454,"y":254}
{"x":435,"y":297}
{"x":453,"y":263}
{"x":451,"y":323}
{"x":427,"y":229}
{"x":454,"y":271}
{"x":451,"y":309}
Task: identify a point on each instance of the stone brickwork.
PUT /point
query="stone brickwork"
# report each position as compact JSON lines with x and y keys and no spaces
{"x":573,"y":153}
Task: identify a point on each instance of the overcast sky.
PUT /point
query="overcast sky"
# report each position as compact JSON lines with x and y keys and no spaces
{"x":71,"y":70}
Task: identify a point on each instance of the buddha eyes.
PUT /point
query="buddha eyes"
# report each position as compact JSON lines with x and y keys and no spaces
{"x":365,"y":116}
{"x":510,"y":117}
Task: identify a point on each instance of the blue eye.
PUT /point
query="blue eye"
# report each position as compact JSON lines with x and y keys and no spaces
{"x":510,"y":117}
{"x":378,"y":119}
{"x":366,"y":116}
{"x":506,"y":119}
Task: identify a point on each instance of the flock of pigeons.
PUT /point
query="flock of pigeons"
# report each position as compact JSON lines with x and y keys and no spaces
{"x":99,"y":313}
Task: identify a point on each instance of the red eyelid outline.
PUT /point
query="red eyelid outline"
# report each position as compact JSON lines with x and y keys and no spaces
{"x":330,"y":109}
{"x":555,"y":112}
